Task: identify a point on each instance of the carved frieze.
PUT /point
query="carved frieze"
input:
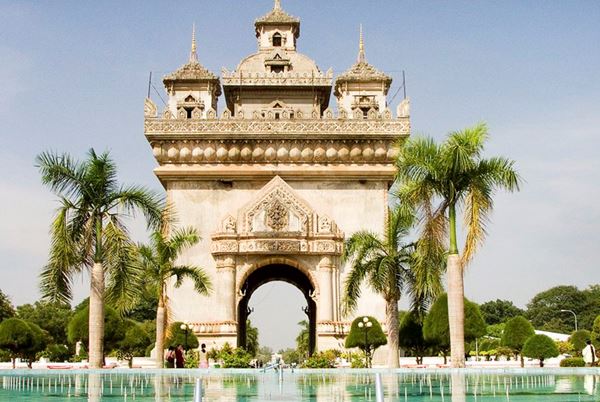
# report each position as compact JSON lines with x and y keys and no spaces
{"x":277,"y":221}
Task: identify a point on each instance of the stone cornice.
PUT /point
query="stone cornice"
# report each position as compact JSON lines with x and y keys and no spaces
{"x":156,"y":128}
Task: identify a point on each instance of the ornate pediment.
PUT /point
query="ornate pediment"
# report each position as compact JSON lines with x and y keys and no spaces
{"x":277,"y":221}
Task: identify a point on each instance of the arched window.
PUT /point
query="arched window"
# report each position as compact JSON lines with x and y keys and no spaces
{"x":277,"y":39}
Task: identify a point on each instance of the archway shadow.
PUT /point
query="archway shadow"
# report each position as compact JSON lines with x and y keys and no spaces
{"x":284,"y":273}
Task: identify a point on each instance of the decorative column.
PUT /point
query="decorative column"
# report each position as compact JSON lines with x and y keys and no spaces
{"x":226,"y":287}
{"x":325,"y":307}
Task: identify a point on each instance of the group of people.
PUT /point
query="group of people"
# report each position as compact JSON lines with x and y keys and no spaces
{"x":175,"y":357}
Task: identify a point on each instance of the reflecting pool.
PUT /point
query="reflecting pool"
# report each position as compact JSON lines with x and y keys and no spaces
{"x":563,"y":385}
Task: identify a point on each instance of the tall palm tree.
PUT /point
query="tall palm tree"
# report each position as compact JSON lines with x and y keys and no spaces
{"x":303,"y":338}
{"x":440,"y":179}
{"x":158,"y":267}
{"x":391,"y":266}
{"x":252,"y":344}
{"x":88,"y":233}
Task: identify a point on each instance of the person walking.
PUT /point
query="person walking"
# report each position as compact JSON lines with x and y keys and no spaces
{"x":203,"y":357}
{"x":589,"y":354}
{"x":179,"y":356}
{"x":170,"y":357}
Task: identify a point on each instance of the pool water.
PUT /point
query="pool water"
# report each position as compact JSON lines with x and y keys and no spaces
{"x":302,"y":385}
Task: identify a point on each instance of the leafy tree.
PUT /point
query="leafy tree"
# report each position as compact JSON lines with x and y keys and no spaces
{"x":439,"y":180}
{"x":436,"y":328}
{"x":78,"y":329}
{"x":21,"y":339}
{"x":516,"y":333}
{"x":177,"y":336}
{"x":264,"y":354}
{"x":52,"y":317}
{"x":390,"y":266}
{"x":88,"y":233}
{"x":544,"y":309}
{"x":158,"y":261}
{"x":496,"y":330}
{"x":144,"y":308}
{"x":56,"y":353}
{"x":578,"y":339}
{"x":6,"y":307}
{"x":411,"y":335}
{"x":303,"y":338}
{"x":499,"y":311}
{"x":596,"y":332}
{"x":540,"y":347}
{"x":251,"y":339}
{"x":134,"y":343}
{"x":368,"y":339}
{"x":290,"y":356}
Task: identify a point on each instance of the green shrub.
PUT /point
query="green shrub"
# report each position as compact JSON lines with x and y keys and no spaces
{"x":357,"y":361}
{"x":238,"y":358}
{"x":56,"y":353}
{"x":319,"y":360}
{"x":578,"y":340}
{"x":572,"y":362}
{"x":192,"y":359}
{"x":540,"y":347}
{"x":517,"y":330}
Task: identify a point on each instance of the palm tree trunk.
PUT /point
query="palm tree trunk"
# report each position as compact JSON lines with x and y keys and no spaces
{"x":456,"y":312}
{"x":392,"y":327}
{"x":96,"y":318}
{"x":159,"y":346}
{"x":456,"y":294}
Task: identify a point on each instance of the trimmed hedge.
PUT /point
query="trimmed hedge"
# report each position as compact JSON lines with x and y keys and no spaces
{"x":572,"y":362}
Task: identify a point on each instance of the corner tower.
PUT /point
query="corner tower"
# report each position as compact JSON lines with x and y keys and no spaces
{"x":362,"y":90}
{"x":193,"y":90}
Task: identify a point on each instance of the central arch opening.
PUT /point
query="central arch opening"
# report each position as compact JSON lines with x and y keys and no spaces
{"x":284,"y":273}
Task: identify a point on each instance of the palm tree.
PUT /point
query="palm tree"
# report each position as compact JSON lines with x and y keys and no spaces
{"x":88,"y":233}
{"x":391,"y":266}
{"x":440,"y":179}
{"x":251,"y":339}
{"x":158,"y":267}
{"x":303,"y":338}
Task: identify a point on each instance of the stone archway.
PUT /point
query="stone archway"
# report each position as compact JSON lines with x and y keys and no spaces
{"x":277,"y":272}
{"x":278,"y":236}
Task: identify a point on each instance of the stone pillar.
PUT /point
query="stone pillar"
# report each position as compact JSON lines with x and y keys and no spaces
{"x":226,"y":288}
{"x":326,"y":305}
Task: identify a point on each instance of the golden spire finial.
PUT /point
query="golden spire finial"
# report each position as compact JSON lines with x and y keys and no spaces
{"x":193,"y":54}
{"x":277,"y":5}
{"x":361,"y":46}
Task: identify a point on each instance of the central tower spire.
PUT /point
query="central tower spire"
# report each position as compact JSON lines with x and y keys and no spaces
{"x":277,"y":5}
{"x":193,"y":54}
{"x":361,"y":47}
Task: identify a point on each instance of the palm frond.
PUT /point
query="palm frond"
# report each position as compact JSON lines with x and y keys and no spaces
{"x":64,"y":260}
{"x":123,"y":266}
{"x":181,"y":239}
{"x":202,"y":282}
{"x":61,"y":173}
{"x":131,"y":198}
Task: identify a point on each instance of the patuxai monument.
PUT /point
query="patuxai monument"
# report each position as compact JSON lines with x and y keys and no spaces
{"x":276,"y":179}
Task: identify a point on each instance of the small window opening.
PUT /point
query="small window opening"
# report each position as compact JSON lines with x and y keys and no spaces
{"x":190,"y":98}
{"x":188,"y":111}
{"x":291,"y":115}
{"x":277,"y":40}
{"x":277,"y":116}
{"x":277,"y":69}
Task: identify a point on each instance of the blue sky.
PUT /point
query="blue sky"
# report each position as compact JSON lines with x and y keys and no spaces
{"x":73,"y":75}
